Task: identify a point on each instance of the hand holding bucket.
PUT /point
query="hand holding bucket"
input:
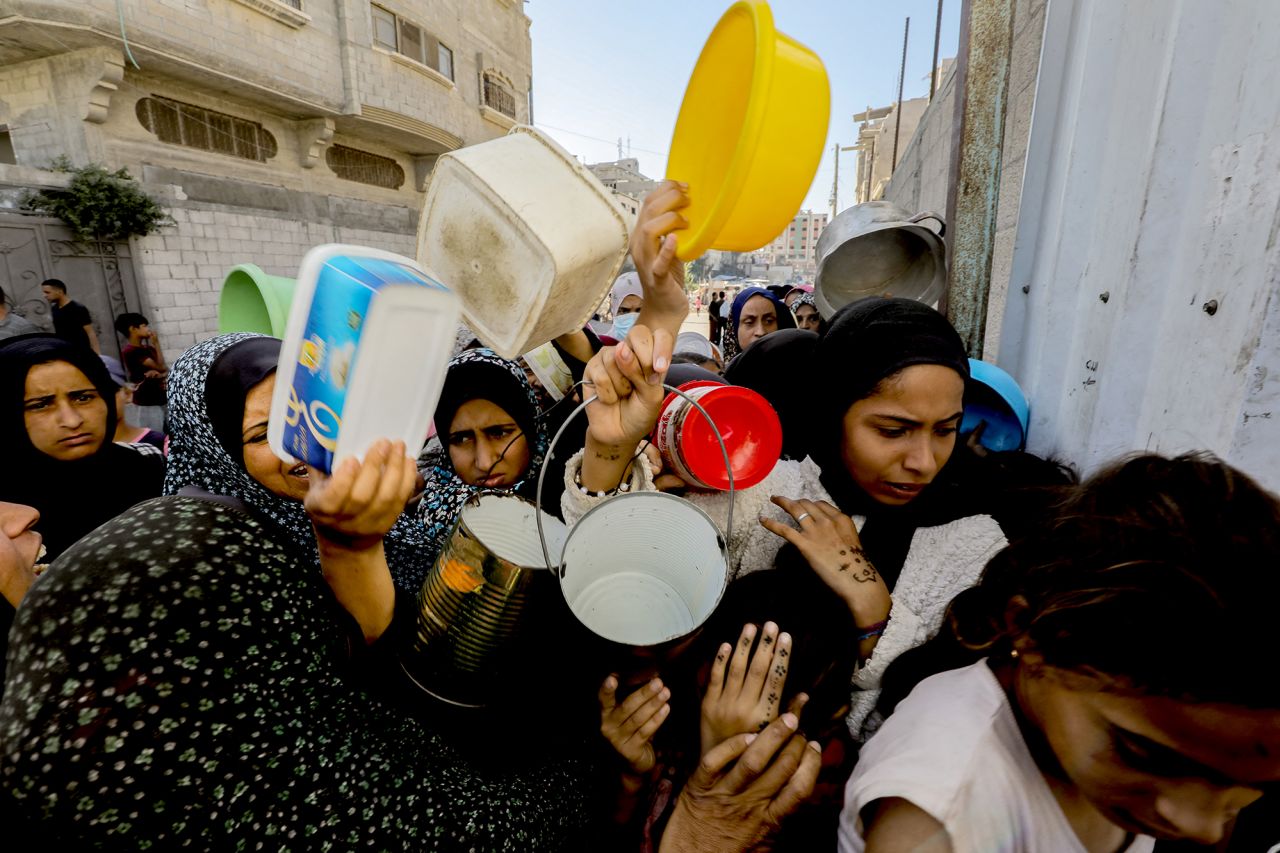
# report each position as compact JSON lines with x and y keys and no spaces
{"x":644,"y":569}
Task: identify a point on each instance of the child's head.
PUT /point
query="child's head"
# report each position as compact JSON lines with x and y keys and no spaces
{"x":132,"y":326}
{"x":1142,"y":629}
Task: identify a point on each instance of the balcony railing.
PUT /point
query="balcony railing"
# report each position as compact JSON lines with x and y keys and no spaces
{"x":496,"y":96}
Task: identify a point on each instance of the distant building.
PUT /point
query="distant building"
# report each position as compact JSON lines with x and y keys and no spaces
{"x":876,"y":133}
{"x":265,"y":127}
{"x":624,"y":178}
{"x":797,"y":245}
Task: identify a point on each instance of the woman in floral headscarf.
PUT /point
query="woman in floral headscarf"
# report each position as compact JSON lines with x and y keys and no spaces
{"x":211,"y":451}
{"x":492,"y":438}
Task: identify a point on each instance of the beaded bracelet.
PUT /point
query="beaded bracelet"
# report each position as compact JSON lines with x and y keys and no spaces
{"x":873,"y":630}
{"x":624,"y":486}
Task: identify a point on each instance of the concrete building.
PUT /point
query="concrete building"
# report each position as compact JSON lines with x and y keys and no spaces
{"x":796,"y":246}
{"x":265,"y":126}
{"x":875,"y":143}
{"x":624,"y":178}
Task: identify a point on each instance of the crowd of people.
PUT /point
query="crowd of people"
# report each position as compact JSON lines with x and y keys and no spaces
{"x":924,"y":645}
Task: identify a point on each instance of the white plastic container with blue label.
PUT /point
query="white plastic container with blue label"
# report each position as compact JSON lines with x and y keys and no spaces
{"x":364,"y":357}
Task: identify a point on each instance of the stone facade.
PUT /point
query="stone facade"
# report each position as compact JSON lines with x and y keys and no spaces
{"x":318,"y":85}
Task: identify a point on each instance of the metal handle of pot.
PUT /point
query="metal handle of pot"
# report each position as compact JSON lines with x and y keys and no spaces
{"x":920,"y":217}
{"x":542,"y":475}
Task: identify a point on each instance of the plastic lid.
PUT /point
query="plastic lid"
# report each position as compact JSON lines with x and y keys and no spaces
{"x":752,"y":434}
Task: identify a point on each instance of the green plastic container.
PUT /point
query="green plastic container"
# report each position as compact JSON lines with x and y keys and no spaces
{"x":253,"y":301}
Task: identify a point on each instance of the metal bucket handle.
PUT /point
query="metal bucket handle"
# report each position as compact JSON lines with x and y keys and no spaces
{"x":542,"y":475}
{"x":920,"y":217}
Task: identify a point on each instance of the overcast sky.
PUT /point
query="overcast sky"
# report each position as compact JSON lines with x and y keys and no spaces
{"x":604,"y":69}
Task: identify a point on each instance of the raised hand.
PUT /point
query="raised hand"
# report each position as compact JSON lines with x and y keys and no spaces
{"x":742,"y":789}
{"x":356,"y":506}
{"x":630,"y":726}
{"x":745,"y":690}
{"x":829,"y":541}
{"x":628,"y":387}
{"x":653,"y":249}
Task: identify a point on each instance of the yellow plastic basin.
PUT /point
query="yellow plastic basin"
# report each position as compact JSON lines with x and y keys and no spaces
{"x":750,"y":134}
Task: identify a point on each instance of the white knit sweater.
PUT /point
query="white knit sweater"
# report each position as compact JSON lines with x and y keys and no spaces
{"x":941,"y":562}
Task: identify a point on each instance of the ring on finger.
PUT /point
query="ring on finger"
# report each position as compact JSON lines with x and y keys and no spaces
{"x":802,"y":516}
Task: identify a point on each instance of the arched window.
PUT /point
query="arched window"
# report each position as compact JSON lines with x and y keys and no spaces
{"x":498,"y":94}
{"x":352,"y":164}
{"x":196,"y":127}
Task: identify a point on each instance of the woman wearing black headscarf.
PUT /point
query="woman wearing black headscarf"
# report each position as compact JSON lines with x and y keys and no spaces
{"x":879,"y":517}
{"x":184,"y":675}
{"x":780,"y":368}
{"x":60,"y":458}
{"x":492,"y":437}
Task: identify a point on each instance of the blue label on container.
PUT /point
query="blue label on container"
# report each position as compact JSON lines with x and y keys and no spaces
{"x":344,"y":292}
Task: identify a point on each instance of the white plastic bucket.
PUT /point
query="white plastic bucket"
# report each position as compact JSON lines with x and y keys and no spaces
{"x":644,"y":569}
{"x":525,"y":235}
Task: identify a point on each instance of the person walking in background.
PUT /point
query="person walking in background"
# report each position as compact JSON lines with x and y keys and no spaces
{"x":145,"y":368}
{"x":11,"y":323}
{"x":713,"y":314}
{"x":71,"y":321}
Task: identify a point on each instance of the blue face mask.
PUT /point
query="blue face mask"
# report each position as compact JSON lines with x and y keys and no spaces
{"x":622,"y":324}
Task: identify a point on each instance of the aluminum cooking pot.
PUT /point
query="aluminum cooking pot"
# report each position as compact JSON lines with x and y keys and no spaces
{"x":878,"y":249}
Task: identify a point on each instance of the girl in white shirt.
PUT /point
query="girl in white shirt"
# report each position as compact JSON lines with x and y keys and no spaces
{"x":1120,"y":698}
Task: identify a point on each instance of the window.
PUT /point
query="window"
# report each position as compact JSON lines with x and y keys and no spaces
{"x":352,"y":164}
{"x":7,"y":154}
{"x":196,"y":127}
{"x":497,"y":96}
{"x":296,"y":4}
{"x":445,"y":65}
{"x":410,"y":40}
{"x":384,"y":28}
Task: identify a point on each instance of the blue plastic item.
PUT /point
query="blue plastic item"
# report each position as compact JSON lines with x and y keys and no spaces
{"x":994,"y":397}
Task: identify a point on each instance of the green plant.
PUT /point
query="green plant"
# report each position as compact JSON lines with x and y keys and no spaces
{"x":99,"y":205}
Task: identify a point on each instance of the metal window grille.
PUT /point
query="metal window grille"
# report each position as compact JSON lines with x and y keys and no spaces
{"x":352,"y":164}
{"x":498,"y":97}
{"x":296,"y":4}
{"x":196,"y":127}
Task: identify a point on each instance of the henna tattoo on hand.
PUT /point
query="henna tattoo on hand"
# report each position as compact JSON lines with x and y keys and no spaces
{"x":866,"y":573}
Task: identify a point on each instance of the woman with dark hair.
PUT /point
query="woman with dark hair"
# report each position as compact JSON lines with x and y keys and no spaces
{"x":61,"y":459}
{"x":1091,"y":712}
{"x":876,"y":510}
{"x":755,"y":313}
{"x":194,"y":673}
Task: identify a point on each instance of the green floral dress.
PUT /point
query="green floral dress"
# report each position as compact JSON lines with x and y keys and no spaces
{"x":179,"y":679}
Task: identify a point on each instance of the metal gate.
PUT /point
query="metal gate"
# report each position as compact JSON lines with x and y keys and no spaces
{"x":98,"y":275}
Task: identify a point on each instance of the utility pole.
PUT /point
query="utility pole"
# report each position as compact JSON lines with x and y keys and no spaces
{"x":902,"y":74}
{"x":933,"y":69}
{"x":835,"y":182}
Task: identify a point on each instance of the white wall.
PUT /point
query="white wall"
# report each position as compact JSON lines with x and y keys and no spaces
{"x":1153,"y":177}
